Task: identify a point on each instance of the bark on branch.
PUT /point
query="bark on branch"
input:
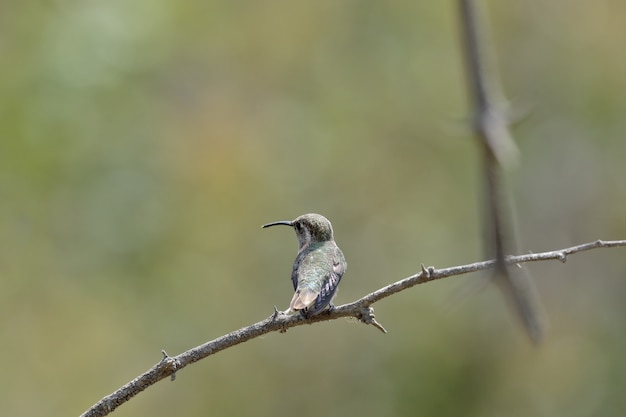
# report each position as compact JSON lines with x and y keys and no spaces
{"x":360,"y":309}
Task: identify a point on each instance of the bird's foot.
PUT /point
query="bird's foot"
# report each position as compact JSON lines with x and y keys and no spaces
{"x":331,"y":308}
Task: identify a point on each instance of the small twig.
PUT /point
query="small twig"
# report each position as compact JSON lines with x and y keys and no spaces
{"x":360,"y":309}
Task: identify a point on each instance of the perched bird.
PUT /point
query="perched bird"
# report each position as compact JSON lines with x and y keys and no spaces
{"x":319,"y":265}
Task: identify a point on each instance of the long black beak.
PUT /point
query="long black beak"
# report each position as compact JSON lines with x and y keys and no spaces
{"x":283,"y":222}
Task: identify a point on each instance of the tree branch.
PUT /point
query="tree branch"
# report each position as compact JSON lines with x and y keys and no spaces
{"x":491,"y":127}
{"x":360,"y":309}
{"x":490,"y":122}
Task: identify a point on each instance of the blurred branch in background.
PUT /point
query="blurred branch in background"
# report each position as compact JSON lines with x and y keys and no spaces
{"x":490,"y":124}
{"x":359,"y":309}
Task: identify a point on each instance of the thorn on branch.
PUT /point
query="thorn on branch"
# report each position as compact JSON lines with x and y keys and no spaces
{"x":563,"y":257}
{"x":366,"y":315}
{"x":169,"y":363}
{"x":277,"y":312}
{"x":517,"y":113}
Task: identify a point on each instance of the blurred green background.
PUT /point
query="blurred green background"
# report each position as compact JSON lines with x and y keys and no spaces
{"x":143,"y":144}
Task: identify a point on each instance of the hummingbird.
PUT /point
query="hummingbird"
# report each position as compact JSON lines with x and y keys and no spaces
{"x":319,"y":264}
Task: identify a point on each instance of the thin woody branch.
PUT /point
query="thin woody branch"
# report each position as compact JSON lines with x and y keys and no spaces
{"x":491,"y":128}
{"x":490,"y":121}
{"x":359,"y":309}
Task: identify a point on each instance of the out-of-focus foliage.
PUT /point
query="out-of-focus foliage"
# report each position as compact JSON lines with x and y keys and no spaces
{"x":143,"y":144}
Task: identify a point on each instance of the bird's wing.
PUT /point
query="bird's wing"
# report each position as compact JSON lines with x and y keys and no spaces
{"x":294,"y":271}
{"x":330,"y":283}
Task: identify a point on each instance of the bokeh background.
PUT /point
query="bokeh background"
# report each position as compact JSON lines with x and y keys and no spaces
{"x":143,"y":144}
